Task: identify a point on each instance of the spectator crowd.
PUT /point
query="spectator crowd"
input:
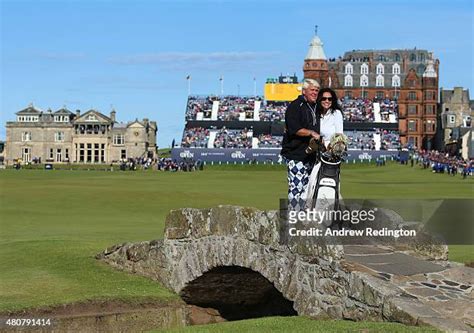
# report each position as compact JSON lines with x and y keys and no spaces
{"x":440,"y":162}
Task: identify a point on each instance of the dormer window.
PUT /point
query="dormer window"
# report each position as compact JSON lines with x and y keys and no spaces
{"x":61,"y":119}
{"x":28,"y":119}
{"x":91,"y":117}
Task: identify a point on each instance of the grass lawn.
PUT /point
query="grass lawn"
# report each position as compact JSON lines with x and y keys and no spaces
{"x":54,"y":222}
{"x":300,"y":325}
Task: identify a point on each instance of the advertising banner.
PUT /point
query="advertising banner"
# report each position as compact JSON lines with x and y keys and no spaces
{"x":232,"y":155}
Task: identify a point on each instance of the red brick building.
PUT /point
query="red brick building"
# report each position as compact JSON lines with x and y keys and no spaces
{"x":409,"y":76}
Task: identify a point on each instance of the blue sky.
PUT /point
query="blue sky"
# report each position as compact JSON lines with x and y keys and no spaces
{"x":135,"y":55}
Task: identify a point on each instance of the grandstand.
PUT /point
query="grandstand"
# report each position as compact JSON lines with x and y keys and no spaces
{"x":246,"y":127}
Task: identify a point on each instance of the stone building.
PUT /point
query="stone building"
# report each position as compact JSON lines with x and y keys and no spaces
{"x":408,"y":75}
{"x":456,"y":112}
{"x":63,"y":136}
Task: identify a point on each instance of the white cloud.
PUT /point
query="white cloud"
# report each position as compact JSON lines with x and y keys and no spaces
{"x":192,"y":58}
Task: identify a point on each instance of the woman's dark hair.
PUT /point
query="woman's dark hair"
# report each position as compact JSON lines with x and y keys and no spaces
{"x":334,"y":103}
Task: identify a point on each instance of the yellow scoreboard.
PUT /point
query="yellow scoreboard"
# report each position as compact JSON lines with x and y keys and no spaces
{"x":282,"y":91}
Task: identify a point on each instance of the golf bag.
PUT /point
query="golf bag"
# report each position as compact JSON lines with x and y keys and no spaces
{"x":323,"y":192}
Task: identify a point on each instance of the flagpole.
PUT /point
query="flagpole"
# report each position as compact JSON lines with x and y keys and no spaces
{"x":188,"y":78}
{"x":222,"y":85}
{"x":254,"y":87}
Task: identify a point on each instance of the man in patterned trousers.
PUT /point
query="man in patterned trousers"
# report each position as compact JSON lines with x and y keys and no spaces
{"x":301,"y":124}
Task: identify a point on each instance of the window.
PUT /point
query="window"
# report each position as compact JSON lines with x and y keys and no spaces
{"x":395,"y":81}
{"x":119,"y":140}
{"x":61,"y":119}
{"x":429,"y":95}
{"x":422,"y":57}
{"x":67,"y":154}
{"x":380,"y":69}
{"x":466,"y":121}
{"x":396,"y":95}
{"x":59,"y":136}
{"x":59,"y":155}
{"x":382,"y":58}
{"x":364,"y":81}
{"x":26,"y":154}
{"x":102,"y":152}
{"x":26,"y":136}
{"x":91,"y":117}
{"x":81,"y":153}
{"x":123,"y":154}
{"x":395,"y":69}
{"x":430,"y":126}
{"x":379,"y":95}
{"x":379,"y":82}
{"x":429,"y":109}
{"x":364,"y":69}
{"x":397,"y":58}
{"x":365,"y":94}
{"x":51,"y":153}
{"x":412,"y":95}
{"x":451,"y":118}
{"x":349,"y":69}
{"x":348,"y":94}
{"x":348,"y":81}
{"x":89,"y":153}
{"x":28,"y":119}
{"x":412,"y":109}
{"x":96,"y":153}
{"x":412,"y":126}
{"x":413,"y":57}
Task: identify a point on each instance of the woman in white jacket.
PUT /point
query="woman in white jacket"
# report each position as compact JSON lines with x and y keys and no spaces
{"x":331,"y":116}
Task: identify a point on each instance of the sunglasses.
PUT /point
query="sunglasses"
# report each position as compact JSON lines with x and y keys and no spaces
{"x":326,"y":99}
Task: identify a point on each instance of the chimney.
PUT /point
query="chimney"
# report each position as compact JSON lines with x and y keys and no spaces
{"x":112,"y":115}
{"x":78,"y":113}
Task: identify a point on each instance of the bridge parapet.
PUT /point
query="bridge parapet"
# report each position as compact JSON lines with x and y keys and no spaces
{"x":230,"y":257}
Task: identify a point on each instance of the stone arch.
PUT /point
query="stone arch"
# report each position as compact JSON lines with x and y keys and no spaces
{"x":315,"y":288}
{"x":237,"y":293}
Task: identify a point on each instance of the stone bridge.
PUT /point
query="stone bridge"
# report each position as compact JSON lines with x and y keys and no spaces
{"x":232,"y":259}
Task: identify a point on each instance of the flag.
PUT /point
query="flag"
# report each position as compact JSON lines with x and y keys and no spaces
{"x":188,"y":77}
{"x":221,"y":78}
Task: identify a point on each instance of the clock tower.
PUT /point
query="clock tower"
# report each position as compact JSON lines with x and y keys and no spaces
{"x":316,"y":64}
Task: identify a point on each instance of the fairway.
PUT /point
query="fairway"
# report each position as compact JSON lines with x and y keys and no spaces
{"x":54,"y":222}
